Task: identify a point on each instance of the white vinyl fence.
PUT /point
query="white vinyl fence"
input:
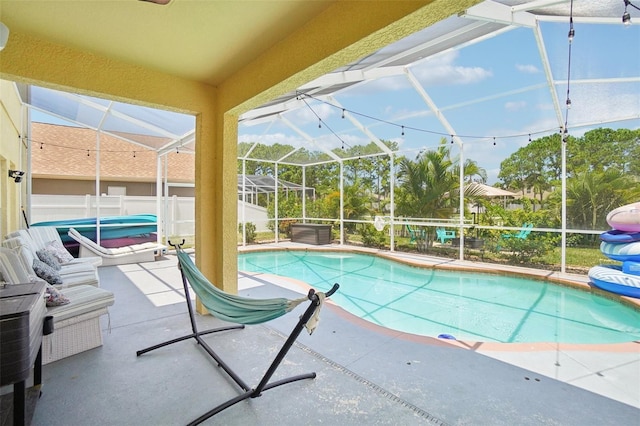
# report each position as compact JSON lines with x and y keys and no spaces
{"x":178,"y":212}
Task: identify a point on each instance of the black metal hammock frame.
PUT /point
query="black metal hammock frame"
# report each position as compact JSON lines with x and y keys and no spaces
{"x":238,"y":302}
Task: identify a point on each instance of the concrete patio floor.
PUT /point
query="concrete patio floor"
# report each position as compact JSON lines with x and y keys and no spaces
{"x":365,"y":375}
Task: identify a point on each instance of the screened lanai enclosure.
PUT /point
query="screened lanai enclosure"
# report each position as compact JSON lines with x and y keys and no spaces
{"x":538,"y":99}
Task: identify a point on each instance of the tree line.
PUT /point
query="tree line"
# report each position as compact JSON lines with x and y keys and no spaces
{"x":603,"y":172}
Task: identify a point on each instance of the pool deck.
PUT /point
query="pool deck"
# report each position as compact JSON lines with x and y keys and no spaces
{"x":365,"y":374}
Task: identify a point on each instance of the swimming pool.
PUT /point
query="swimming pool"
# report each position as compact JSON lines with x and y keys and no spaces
{"x":468,"y":306}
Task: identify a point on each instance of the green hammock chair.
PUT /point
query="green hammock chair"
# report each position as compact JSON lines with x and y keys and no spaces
{"x":241,"y":310}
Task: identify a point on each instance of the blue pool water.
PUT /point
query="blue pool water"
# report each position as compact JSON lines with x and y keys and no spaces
{"x":468,"y":306}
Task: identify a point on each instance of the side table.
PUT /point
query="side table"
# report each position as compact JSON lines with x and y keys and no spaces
{"x":22,"y":320}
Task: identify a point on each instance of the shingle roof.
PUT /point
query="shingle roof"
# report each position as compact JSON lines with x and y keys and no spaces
{"x":66,"y":152}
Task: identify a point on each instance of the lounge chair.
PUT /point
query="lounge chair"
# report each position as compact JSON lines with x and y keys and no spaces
{"x":522,"y":234}
{"x":443,"y":235}
{"x":415,"y":235}
{"x":145,"y":252}
{"x":241,"y":310}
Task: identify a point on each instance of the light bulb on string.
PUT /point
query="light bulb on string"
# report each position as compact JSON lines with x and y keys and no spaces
{"x":134,"y":154}
{"x":572,"y":32}
{"x":494,"y":141}
{"x":529,"y":137}
{"x":452,"y":139}
{"x":319,"y":124}
{"x":41,"y":145}
{"x":87,"y":153}
{"x":626,"y":17}
{"x":402,"y":130}
{"x":342,"y":112}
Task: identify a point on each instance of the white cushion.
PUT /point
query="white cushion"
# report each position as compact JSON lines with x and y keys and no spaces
{"x":83,"y":299}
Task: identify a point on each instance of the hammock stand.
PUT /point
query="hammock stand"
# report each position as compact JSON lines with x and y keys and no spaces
{"x":313,"y":297}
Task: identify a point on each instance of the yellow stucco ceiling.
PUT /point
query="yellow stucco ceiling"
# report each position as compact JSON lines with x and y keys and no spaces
{"x":202,"y":40}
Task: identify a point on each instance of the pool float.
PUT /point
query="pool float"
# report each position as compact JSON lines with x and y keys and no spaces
{"x":612,"y":278}
{"x":621,"y":252}
{"x":625,"y":218}
{"x":630,"y":267}
{"x":619,"y":237}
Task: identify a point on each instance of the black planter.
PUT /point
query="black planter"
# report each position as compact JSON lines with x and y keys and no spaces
{"x":474,"y":243}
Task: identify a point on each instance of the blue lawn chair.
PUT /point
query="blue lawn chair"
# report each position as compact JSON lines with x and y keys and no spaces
{"x":443,"y":235}
{"x":522,"y":234}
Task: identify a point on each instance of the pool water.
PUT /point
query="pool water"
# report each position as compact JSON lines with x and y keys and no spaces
{"x":467,"y":306}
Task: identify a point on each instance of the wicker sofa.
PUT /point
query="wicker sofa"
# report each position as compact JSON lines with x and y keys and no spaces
{"x":76,"y":324}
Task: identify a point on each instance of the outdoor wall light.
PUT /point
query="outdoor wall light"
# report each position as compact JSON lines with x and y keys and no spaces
{"x":4,"y":35}
{"x":16,"y":175}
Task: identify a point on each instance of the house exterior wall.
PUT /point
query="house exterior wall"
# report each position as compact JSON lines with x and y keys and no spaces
{"x":54,"y":186}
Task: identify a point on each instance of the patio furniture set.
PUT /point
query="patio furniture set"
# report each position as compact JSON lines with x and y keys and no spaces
{"x":74,"y":283}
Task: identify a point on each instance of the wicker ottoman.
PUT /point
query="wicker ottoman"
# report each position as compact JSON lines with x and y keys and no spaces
{"x":77,"y":324}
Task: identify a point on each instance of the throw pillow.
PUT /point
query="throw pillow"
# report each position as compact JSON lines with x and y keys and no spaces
{"x":47,"y":257}
{"x":59,"y":251}
{"x":54,"y":297}
{"x":46,"y":272}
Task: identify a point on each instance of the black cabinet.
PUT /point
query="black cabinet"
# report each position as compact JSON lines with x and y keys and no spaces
{"x":310,"y":233}
{"x":22,"y":316}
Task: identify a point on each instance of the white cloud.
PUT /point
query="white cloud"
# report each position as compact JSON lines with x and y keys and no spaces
{"x":306,"y":115}
{"x":442,"y":70}
{"x":271,"y":139}
{"x":515,"y":106}
{"x":527,"y":68}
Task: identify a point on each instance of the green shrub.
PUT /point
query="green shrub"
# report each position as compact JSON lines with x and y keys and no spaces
{"x":250,"y":231}
{"x":371,"y":237}
{"x":528,"y":249}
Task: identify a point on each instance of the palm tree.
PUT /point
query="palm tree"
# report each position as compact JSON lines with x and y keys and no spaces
{"x":425,"y":185}
{"x":592,"y":194}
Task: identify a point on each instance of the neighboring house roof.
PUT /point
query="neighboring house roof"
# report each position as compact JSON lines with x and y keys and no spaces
{"x":67,"y":152}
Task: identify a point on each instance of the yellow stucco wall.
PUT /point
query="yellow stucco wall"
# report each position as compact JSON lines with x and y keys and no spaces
{"x":13,"y":155}
{"x":344,"y":32}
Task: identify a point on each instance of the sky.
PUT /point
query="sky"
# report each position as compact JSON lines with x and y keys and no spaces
{"x":492,"y":89}
{"x":493,"y":93}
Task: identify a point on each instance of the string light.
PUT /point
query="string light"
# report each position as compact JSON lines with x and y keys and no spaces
{"x":342,"y":112}
{"x":404,"y":128}
{"x":87,"y":153}
{"x":134,"y":154}
{"x":572,"y":32}
{"x":326,"y":125}
{"x":568,"y":101}
{"x":494,"y":141}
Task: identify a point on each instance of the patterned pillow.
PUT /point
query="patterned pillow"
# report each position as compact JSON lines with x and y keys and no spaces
{"x":46,"y":272}
{"x":54,"y":297}
{"x":48,"y":258}
{"x":59,"y":251}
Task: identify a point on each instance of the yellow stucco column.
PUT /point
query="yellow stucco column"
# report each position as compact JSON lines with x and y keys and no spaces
{"x":344,"y":32}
